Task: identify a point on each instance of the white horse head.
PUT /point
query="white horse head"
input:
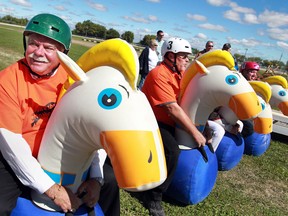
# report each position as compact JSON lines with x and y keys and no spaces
{"x":104,"y":110}
{"x":279,"y":96}
{"x":263,"y":123}
{"x":210,"y":82}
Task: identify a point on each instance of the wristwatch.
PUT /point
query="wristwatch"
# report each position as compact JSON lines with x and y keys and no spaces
{"x":99,"y":179}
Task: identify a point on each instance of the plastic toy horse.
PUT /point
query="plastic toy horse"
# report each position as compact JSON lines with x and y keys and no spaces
{"x":258,"y":142}
{"x":279,"y":96}
{"x":232,"y":147}
{"x":209,"y":82}
{"x":103,"y":110}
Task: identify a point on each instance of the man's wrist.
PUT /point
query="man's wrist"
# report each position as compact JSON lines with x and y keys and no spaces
{"x":99,"y":179}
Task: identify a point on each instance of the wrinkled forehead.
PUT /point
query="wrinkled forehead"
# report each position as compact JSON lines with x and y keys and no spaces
{"x":42,"y":39}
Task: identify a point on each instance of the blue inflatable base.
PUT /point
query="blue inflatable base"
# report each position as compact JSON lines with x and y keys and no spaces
{"x":26,"y":207}
{"x":256,"y":144}
{"x":230,"y":151}
{"x":194,"y":178}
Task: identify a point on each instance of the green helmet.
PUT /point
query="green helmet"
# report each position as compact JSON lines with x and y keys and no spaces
{"x":50,"y":26}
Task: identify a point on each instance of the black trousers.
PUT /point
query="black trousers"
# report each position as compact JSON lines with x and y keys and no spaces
{"x":11,"y":188}
{"x":172,"y":152}
{"x":109,"y":196}
{"x":248,"y":128}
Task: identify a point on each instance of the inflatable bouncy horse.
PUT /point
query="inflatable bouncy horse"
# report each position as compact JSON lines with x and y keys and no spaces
{"x":209,"y":82}
{"x":102,"y":110}
{"x":279,"y":98}
{"x":258,"y":142}
{"x":255,"y":143}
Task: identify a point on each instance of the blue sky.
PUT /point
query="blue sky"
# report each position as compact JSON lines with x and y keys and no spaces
{"x":255,"y":27}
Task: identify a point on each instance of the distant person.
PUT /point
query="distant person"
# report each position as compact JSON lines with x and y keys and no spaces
{"x":160,"y":41}
{"x":29,"y":89}
{"x":148,"y":60}
{"x":227,"y":47}
{"x":162,"y":88}
{"x":209,"y":46}
{"x":250,"y":70}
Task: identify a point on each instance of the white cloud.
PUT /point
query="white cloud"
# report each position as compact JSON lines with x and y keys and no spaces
{"x":24,"y":3}
{"x":201,"y":36}
{"x":218,"y":2}
{"x":282,"y":45}
{"x":278,"y":34}
{"x":60,"y":7}
{"x":235,"y":7}
{"x":212,"y":27}
{"x":136,"y":19}
{"x":232,"y":15}
{"x":153,"y":18}
{"x":98,"y":7}
{"x":196,"y":17}
{"x":274,"y":19}
{"x":261,"y":32}
{"x":250,"y":18}
{"x":6,"y":10}
{"x":154,"y":1}
{"x":251,"y":42}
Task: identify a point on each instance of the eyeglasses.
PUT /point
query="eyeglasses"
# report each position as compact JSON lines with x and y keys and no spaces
{"x":183,"y":56}
{"x":161,"y":35}
{"x":210,"y":45}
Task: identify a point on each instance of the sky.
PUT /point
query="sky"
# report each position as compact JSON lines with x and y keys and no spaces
{"x":254,"y":28}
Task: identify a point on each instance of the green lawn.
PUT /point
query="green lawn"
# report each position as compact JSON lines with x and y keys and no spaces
{"x":256,"y":186}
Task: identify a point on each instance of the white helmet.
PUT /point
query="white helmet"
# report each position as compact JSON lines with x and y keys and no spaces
{"x":175,"y":45}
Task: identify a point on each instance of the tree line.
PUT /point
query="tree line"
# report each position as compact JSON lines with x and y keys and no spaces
{"x":89,"y":29}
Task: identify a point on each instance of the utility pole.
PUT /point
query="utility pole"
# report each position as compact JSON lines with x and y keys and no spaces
{"x":280,"y":57}
{"x":245,"y":54}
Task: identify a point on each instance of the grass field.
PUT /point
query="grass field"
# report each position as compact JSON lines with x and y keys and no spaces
{"x":256,"y":186}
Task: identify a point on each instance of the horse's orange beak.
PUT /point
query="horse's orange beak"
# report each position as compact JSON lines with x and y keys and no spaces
{"x":139,"y":164}
{"x":242,"y":106}
{"x":283,"y":106}
{"x":263,"y":125}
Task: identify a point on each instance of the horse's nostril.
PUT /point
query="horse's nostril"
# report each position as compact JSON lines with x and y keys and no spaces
{"x":150,"y":157}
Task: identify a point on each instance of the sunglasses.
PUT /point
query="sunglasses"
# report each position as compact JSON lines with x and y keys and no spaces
{"x":183,"y":56}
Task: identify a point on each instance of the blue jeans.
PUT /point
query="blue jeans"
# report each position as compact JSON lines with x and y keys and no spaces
{"x":141,"y":82}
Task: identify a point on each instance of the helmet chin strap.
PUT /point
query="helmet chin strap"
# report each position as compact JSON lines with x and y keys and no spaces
{"x":174,"y":67}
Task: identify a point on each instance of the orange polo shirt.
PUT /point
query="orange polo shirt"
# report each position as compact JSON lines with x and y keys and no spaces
{"x":25,"y":103}
{"x":162,"y":86}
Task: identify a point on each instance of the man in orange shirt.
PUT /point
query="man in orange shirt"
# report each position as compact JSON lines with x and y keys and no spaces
{"x":28,"y":93}
{"x":162,"y":87}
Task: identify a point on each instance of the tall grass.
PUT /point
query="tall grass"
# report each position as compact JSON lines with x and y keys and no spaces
{"x":256,"y":186}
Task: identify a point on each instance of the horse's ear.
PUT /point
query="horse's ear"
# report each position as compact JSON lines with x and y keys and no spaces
{"x":201,"y":68}
{"x":73,"y":70}
{"x":194,"y":68}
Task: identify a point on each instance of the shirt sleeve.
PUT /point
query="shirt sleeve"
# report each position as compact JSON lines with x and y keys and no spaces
{"x":17,"y":153}
{"x":96,"y":169}
{"x":162,"y":89}
{"x":10,"y":110}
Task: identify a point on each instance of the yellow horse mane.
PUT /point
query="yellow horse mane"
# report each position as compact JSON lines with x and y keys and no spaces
{"x":278,"y":80}
{"x":115,"y":53}
{"x":215,"y":57}
{"x":263,"y":88}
